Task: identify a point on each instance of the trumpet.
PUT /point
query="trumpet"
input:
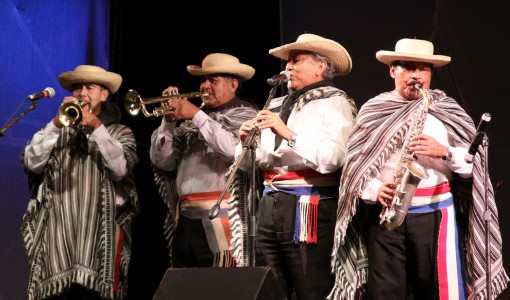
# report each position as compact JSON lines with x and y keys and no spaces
{"x":70,"y":113}
{"x":133,"y":103}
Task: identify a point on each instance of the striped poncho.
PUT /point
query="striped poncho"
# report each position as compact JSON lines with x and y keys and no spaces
{"x":378,"y":132}
{"x":73,"y":231}
{"x":230,"y":116}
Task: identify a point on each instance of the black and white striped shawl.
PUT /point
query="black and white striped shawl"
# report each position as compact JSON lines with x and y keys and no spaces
{"x":71,"y":226}
{"x":379,"y":130}
{"x":230,"y":116}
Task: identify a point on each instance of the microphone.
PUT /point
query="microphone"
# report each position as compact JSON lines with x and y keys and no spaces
{"x":478,"y":138}
{"x":47,"y":93}
{"x":284,"y":76}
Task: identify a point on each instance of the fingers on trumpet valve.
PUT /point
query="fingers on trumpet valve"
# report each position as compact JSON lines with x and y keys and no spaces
{"x":170,"y":91}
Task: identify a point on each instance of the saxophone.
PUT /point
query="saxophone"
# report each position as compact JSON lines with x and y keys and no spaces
{"x":408,"y":172}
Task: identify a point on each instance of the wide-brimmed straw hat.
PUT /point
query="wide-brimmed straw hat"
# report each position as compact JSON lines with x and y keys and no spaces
{"x":335,"y":52}
{"x":90,"y":74}
{"x":221,"y":63}
{"x":413,"y":50}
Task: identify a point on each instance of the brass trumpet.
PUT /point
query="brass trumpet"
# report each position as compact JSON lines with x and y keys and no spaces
{"x":133,"y":103}
{"x":70,"y":113}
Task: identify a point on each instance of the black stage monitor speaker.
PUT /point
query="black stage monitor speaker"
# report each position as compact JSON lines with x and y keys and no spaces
{"x":242,"y":283}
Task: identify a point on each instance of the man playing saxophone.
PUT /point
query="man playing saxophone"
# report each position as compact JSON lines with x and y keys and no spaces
{"x":437,"y":251}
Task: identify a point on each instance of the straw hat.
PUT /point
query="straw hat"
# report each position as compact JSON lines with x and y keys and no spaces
{"x":90,"y":74}
{"x":221,"y":63}
{"x":335,"y":52}
{"x":413,"y":50}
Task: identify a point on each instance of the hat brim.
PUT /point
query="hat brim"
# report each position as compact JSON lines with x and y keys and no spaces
{"x":110,"y":80}
{"x":388,"y":57}
{"x":242,"y":71}
{"x":339,"y":57}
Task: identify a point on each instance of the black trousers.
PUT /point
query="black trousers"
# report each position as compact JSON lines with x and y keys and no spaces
{"x":190,"y":246}
{"x":403,"y":261}
{"x":302,"y":268}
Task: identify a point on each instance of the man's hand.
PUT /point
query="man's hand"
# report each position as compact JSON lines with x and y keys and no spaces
{"x":386,"y":193}
{"x":426,"y":145}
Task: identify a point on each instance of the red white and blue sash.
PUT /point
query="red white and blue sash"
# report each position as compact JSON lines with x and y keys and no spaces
{"x":450,"y":264}
{"x":310,"y":186}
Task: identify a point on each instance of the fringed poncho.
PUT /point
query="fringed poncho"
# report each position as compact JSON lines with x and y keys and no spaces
{"x":73,"y":230}
{"x":230,"y":116}
{"x":377,"y":132}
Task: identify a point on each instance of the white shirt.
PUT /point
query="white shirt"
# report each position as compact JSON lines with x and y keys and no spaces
{"x":321,"y":128}
{"x":203,"y":168}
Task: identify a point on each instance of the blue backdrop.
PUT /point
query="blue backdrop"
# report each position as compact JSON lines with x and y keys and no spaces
{"x":38,"y":40}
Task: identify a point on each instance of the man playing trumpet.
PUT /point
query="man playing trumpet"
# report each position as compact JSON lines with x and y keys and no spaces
{"x":77,"y":228}
{"x":192,"y":151}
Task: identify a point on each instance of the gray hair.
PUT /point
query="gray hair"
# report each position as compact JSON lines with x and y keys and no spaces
{"x":329,"y":72}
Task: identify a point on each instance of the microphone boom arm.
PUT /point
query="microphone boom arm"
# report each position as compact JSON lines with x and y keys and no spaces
{"x":247,"y":144}
{"x":15,"y":120}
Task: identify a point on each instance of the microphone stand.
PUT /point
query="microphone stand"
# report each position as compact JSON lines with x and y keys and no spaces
{"x":7,"y":126}
{"x":248,"y":144}
{"x":487,"y":218}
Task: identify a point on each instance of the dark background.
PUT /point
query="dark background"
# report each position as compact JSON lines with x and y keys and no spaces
{"x":474,"y":35}
{"x":151,"y":47}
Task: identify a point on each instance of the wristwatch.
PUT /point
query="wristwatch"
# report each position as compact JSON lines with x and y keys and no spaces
{"x":448,"y":155}
{"x":292,"y":141}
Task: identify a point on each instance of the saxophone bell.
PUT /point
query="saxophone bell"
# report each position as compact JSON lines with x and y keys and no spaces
{"x":393,"y":215}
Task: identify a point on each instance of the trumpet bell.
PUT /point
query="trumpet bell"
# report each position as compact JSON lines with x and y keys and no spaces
{"x":132,"y":102}
{"x":70,"y":114}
